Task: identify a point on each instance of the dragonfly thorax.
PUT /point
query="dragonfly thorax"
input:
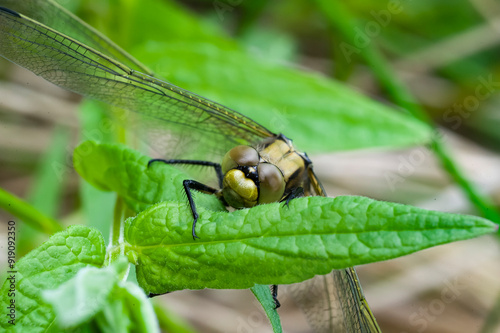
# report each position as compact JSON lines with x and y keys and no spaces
{"x":248,"y":180}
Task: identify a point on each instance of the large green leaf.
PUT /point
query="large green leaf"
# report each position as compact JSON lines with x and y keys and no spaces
{"x":53,"y":263}
{"x":276,"y":244}
{"x":117,"y":168}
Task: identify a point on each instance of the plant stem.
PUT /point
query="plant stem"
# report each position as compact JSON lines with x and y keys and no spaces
{"x":29,"y":214}
{"x":340,"y":18}
{"x":116,"y":246}
{"x":118,"y":218}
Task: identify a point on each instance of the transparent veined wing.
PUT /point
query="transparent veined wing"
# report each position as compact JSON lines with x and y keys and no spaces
{"x":161,"y":109}
{"x":53,"y":15}
{"x":334,"y":302}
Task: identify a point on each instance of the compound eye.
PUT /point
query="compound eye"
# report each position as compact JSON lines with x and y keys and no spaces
{"x":238,"y":190}
{"x":239,"y":156}
{"x":272,"y":184}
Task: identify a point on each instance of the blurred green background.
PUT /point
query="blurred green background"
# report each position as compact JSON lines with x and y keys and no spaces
{"x":236,"y":52}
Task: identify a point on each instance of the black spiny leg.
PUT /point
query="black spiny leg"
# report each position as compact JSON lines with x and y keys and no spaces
{"x":216,"y":166}
{"x":194,"y":185}
{"x":294,"y":193}
{"x":274,"y":293}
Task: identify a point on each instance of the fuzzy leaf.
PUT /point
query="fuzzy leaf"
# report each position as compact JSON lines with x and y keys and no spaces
{"x":47,"y":267}
{"x":79,"y":299}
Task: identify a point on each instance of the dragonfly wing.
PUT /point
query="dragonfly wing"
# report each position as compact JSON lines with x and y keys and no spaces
{"x":58,"y":18}
{"x":319,"y":301}
{"x":355,"y":310}
{"x":160,"y":108}
{"x":334,"y":302}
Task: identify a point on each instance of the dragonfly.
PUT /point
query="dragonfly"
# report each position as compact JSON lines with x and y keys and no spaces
{"x":84,"y":61}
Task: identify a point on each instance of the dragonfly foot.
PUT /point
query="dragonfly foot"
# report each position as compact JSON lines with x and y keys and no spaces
{"x":295,"y":193}
{"x":274,"y":293}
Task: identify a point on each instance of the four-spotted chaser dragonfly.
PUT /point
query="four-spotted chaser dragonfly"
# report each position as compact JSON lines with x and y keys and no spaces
{"x":267,"y":165}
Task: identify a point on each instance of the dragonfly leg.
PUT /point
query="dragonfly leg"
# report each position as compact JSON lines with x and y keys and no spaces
{"x":189,"y":185}
{"x":216,"y":166}
{"x":274,"y":293}
{"x":294,"y":193}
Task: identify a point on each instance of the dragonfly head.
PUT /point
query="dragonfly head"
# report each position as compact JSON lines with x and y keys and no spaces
{"x":248,"y":181}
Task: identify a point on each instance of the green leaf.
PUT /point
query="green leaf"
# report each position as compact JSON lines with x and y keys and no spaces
{"x":127,"y":310}
{"x":99,"y":295}
{"x":128,"y":23}
{"x":80,"y":298}
{"x":170,"y":321}
{"x":53,"y":263}
{"x":276,"y":244}
{"x":114,"y":316}
{"x":113,"y":167}
{"x":139,"y":308}
{"x":263,"y":295}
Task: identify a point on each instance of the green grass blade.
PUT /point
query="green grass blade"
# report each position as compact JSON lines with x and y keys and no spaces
{"x":29,"y":214}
